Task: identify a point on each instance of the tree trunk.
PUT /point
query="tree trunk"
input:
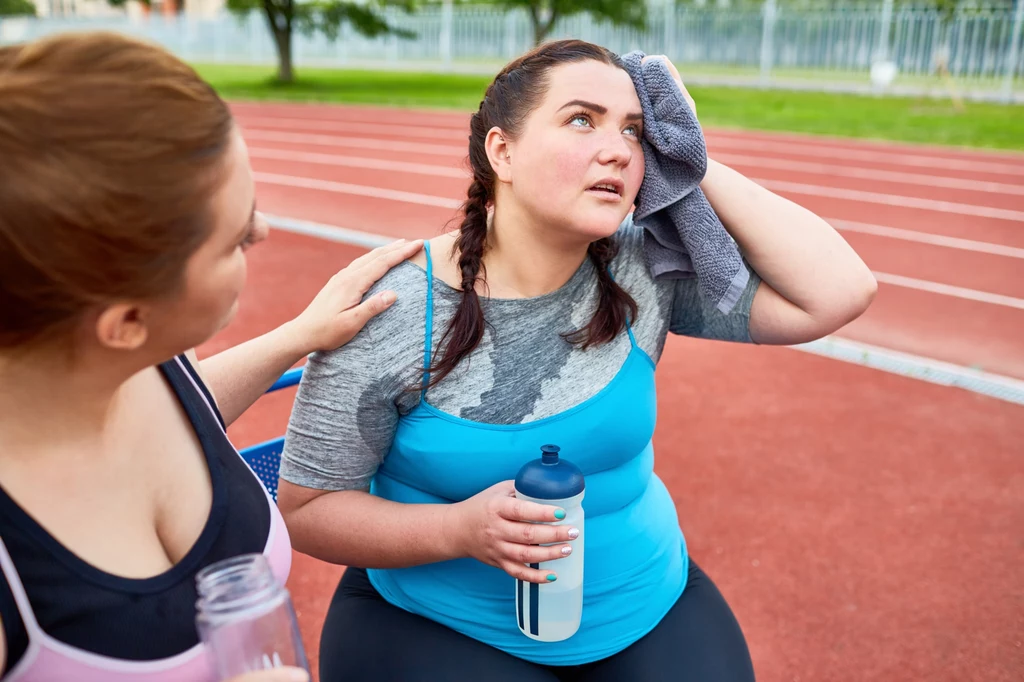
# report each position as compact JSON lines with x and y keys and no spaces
{"x":279,"y":20}
{"x":542,"y":25}
{"x":539,"y":33}
{"x":283,"y":40}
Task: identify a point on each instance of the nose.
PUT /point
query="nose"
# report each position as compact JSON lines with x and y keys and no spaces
{"x":260,"y":229}
{"x":615,"y":150}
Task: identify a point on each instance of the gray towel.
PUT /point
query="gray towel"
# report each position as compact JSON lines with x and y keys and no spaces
{"x":683,"y":235}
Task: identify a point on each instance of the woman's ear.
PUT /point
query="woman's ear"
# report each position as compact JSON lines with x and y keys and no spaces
{"x":122,"y":326}
{"x":499,"y":153}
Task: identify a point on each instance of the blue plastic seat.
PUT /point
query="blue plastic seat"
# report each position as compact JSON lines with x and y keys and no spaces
{"x":265,"y":458}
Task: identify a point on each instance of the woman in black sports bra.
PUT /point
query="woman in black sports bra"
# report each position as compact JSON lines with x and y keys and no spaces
{"x":126,"y":208}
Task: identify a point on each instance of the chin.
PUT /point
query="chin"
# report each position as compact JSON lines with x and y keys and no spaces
{"x":599,"y":226}
{"x":229,"y":316}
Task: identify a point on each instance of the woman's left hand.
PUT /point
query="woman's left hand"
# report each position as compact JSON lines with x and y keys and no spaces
{"x":675,"y":75}
{"x":338,"y":312}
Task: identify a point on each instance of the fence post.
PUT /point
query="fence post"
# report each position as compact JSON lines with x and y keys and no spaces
{"x":882,"y":51}
{"x":256,"y":29}
{"x":221,"y":47}
{"x":1013,"y":55}
{"x":670,"y":29}
{"x":511,"y":42}
{"x":391,"y":40}
{"x":446,"y":35}
{"x":767,"y":34}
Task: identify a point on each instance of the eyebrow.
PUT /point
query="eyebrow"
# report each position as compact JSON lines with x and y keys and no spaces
{"x":598,"y":109}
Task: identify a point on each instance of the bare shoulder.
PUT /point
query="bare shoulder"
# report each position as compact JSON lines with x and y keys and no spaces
{"x":445,"y":269}
{"x":194,"y":360}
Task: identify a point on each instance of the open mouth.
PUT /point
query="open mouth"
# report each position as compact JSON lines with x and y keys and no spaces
{"x":609,"y":188}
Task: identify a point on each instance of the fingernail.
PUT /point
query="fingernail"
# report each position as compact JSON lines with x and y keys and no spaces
{"x":574,"y":533}
{"x":552,"y":577}
{"x":567,"y":550}
{"x":388,"y":297}
{"x":559,"y":514}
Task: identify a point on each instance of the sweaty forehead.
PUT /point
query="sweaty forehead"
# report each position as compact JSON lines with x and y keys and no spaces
{"x":591,"y":81}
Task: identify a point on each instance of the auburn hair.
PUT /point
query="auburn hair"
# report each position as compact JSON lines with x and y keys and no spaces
{"x":111,"y":149}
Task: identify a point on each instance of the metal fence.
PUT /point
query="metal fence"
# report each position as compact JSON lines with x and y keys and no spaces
{"x":766,"y":46}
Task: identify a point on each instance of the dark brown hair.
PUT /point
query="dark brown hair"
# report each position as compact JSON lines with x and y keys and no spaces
{"x":111,"y":149}
{"x":508,"y":101}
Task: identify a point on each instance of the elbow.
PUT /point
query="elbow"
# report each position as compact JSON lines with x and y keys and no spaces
{"x":306,"y":535}
{"x":294,"y":503}
{"x":860,"y":295}
{"x":297,"y":524}
{"x":849,"y":303}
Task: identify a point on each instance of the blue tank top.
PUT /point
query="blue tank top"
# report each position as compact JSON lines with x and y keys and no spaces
{"x":635,"y":561}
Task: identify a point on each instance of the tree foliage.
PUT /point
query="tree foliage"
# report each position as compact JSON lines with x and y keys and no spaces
{"x":13,"y":8}
{"x":326,"y":17}
{"x":544,"y":14}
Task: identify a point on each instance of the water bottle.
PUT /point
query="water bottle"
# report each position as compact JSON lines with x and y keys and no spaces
{"x":552,"y":612}
{"x":246,"y":619}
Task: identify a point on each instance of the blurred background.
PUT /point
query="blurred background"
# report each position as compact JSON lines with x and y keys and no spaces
{"x":902,"y":47}
{"x":860,"y":499}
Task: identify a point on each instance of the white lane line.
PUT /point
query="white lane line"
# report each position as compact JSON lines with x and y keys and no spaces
{"x":779,"y":185}
{"x":399,"y":129}
{"x":331,"y":233}
{"x":776,"y":185}
{"x":430,"y":200}
{"x":891,"y":200}
{"x":735,"y":159}
{"x":355,"y":142}
{"x":926,"y":238}
{"x":358,"y":162}
{"x":909,"y":157}
{"x":870,"y":174}
{"x":914,"y":366}
{"x":949,"y":290}
{"x":895,"y":158}
{"x":356,"y":190}
{"x":918,"y":367}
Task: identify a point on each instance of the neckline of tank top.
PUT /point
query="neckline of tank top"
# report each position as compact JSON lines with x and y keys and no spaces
{"x":586,"y":269}
{"x":634,"y":350}
{"x":183,"y":568}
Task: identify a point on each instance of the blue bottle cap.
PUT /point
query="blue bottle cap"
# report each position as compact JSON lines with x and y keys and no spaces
{"x":550,"y":477}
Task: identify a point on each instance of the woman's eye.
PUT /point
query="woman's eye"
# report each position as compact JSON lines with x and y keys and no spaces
{"x":580,"y":120}
{"x":248,"y":240}
{"x":632,"y":130}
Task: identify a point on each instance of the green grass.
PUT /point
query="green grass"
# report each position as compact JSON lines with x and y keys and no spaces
{"x":922,"y":120}
{"x":393,"y":88}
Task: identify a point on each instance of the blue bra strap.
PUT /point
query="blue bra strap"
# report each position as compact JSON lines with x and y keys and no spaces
{"x":629,"y":323}
{"x":429,"y":335}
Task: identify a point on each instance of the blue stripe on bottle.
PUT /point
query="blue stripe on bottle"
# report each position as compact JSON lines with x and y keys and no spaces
{"x":534,"y":605}
{"x":519,"y":602}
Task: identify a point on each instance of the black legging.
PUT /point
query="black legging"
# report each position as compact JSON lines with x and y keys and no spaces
{"x":366,"y":639}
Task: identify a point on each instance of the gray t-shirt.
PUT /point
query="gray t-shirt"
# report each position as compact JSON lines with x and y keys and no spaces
{"x":350,"y":399}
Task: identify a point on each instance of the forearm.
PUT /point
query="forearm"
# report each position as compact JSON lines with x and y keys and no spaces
{"x":820,"y":281}
{"x":238,"y":376}
{"x":355,"y":528}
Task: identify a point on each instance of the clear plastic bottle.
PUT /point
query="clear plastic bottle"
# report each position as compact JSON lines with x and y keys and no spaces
{"x":552,"y":612}
{"x":246,"y":618}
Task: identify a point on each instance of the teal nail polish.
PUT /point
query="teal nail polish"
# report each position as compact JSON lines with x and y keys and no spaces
{"x":559,"y":514}
{"x":552,"y":577}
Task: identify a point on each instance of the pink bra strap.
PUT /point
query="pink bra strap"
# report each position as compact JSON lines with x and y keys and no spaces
{"x":18,"y":590}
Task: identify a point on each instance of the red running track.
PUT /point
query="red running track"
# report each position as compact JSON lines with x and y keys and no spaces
{"x":864,"y":525}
